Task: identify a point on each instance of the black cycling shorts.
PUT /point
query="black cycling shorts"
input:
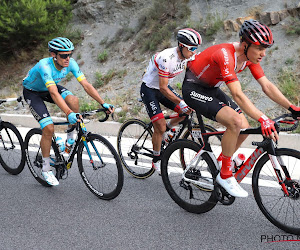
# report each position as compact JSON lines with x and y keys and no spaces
{"x":206,"y":101}
{"x":152,"y":97}
{"x":35,"y":100}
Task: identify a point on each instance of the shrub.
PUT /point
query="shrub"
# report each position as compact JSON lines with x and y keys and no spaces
{"x":289,"y":84}
{"x":25,"y":23}
{"x":159,"y":23}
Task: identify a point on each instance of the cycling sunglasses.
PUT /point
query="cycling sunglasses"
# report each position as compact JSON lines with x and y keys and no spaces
{"x":191,"y":48}
{"x":65,"y":56}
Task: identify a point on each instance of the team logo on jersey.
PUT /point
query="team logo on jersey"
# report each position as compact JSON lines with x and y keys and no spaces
{"x":199,"y":97}
{"x":153,"y":107}
{"x":45,"y":115}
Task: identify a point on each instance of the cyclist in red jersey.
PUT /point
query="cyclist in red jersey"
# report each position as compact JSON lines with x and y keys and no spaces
{"x":218,"y":64}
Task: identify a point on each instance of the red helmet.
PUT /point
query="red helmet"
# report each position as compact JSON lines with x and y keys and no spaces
{"x":257,"y":33}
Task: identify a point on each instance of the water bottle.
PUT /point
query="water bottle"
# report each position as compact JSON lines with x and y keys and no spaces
{"x":69,"y":145}
{"x":238,"y":161}
{"x":169,"y":135}
{"x":60,"y":144}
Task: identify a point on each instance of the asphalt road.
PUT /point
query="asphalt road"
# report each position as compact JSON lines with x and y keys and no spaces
{"x":143,"y":216}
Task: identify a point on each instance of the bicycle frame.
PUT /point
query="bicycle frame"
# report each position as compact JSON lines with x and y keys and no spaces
{"x":266,"y":146}
{"x":81,"y":136}
{"x":187,"y":122}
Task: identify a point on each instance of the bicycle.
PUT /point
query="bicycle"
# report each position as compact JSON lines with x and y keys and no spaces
{"x":98,"y":162}
{"x":12,"y":151}
{"x":275,"y":181}
{"x":134,"y":143}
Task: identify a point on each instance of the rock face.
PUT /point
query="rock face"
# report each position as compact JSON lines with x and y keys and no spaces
{"x":104,"y":11}
{"x":267,"y":18}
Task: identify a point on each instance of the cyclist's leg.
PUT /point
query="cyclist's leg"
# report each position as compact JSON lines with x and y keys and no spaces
{"x":71,"y":100}
{"x":73,"y":103}
{"x":150,"y":99}
{"x":244,"y":123}
{"x":171,"y":105}
{"x":206,"y":102}
{"x":35,"y":100}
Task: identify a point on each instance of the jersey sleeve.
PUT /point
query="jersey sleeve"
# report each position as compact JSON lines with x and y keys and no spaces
{"x":74,"y":68}
{"x":162,"y":65}
{"x":256,"y":70}
{"x":45,"y":71}
{"x":226,"y":63}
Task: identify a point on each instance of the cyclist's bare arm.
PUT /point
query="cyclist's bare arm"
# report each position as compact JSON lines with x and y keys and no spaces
{"x":247,"y":106}
{"x":163,"y":87}
{"x":59,"y":101}
{"x":242,"y":100}
{"x":92,"y":92}
{"x":273,"y":92}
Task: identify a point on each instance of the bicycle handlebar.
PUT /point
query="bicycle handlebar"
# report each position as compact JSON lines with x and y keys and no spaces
{"x":18,"y":99}
{"x":92,"y":112}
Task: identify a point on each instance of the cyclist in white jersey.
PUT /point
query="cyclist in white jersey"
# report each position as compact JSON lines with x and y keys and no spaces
{"x":41,"y":84}
{"x":155,"y":89}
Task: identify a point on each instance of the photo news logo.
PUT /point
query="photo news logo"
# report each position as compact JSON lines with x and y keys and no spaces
{"x":279,"y":238}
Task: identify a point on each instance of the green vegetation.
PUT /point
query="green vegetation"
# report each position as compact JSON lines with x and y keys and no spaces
{"x":289,"y":61}
{"x":102,"y":57}
{"x":26,"y":23}
{"x":293,"y":27}
{"x":158,"y":23}
{"x":104,"y":79}
{"x":289,"y":84}
{"x":210,"y":25}
{"x":178,"y":85}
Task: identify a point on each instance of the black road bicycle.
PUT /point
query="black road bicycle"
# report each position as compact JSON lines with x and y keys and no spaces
{"x":134,"y":142}
{"x":98,"y":162}
{"x":275,"y":178}
{"x":12,"y":151}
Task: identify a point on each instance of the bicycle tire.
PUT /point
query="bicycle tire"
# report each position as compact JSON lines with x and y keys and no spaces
{"x":214,"y":141}
{"x":12,"y":151}
{"x":193,"y":198}
{"x":104,"y":179}
{"x":137,"y":165}
{"x":34,"y":155}
{"x":281,"y":210}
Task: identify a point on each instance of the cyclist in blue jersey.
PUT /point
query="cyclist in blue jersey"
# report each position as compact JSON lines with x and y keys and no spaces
{"x":41,"y":84}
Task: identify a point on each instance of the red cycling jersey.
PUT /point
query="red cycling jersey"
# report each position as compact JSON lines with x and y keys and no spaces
{"x":217,"y":64}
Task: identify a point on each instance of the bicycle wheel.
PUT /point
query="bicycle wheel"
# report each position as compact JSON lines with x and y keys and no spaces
{"x":12,"y":152}
{"x":193,"y":197}
{"x":134,"y":140}
{"x":214,"y":140}
{"x":281,"y":210}
{"x":103,"y":174}
{"x":34,"y":155}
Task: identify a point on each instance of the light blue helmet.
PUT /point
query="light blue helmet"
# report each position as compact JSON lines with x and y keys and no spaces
{"x":60,"y":44}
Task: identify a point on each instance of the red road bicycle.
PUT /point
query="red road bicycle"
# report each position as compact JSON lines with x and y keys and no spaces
{"x":275,"y":179}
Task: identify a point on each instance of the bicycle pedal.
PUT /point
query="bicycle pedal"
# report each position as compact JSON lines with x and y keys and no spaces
{"x":222,"y":195}
{"x":193,"y":174}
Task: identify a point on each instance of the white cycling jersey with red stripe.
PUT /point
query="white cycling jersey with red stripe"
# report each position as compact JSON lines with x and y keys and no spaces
{"x":163,"y":64}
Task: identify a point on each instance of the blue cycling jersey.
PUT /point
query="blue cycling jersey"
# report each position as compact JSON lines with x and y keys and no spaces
{"x":45,"y":74}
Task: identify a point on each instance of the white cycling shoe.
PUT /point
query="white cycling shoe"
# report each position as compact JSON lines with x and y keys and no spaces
{"x":231,"y":186}
{"x":156,"y":166}
{"x":50,"y":178}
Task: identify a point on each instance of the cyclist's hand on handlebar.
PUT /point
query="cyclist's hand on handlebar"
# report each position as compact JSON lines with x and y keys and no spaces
{"x":268,"y":128}
{"x":295,"y":111}
{"x":72,"y":117}
{"x":184,"y":107}
{"x":110,"y":108}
